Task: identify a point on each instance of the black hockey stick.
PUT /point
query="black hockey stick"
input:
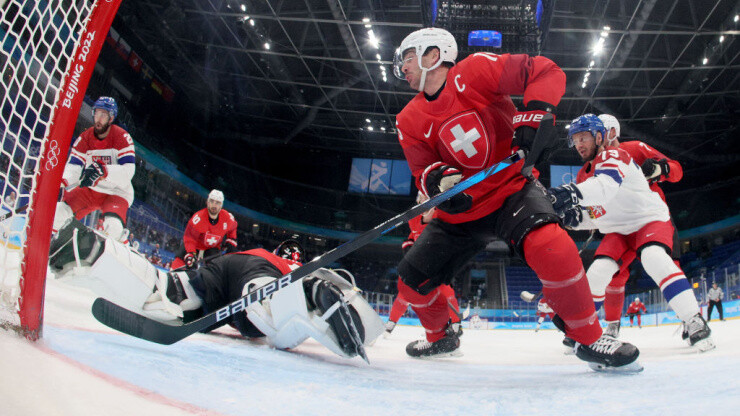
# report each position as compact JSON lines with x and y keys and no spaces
{"x":139,"y":326}
{"x":13,"y":212}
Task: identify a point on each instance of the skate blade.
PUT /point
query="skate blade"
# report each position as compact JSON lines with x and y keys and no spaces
{"x":633,"y":367}
{"x":456,"y":353}
{"x":704,"y":345}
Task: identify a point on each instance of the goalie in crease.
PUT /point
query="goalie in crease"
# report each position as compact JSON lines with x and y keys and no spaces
{"x":311,"y":307}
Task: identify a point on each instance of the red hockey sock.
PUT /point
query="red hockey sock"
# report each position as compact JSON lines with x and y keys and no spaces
{"x":449,"y":293}
{"x":431,"y":310}
{"x":553,"y":255}
{"x":614,"y":303}
{"x":639,"y":320}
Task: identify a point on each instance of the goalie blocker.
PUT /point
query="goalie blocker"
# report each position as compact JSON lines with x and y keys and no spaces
{"x":322,"y":305}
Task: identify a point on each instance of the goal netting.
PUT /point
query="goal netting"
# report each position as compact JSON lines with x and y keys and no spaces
{"x":48,"y":51}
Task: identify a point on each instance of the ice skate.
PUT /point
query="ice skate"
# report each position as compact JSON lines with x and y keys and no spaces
{"x":698,"y":333}
{"x":610,"y":354}
{"x":569,"y":343}
{"x":612,"y":329}
{"x":447,"y":346}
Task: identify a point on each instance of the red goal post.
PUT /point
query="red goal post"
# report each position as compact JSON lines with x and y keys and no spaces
{"x":48,"y":50}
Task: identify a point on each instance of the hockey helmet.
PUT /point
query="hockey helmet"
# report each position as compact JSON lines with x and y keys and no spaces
{"x":290,"y":250}
{"x":610,"y":122}
{"x":420,"y":41}
{"x":637,"y":299}
{"x":106,"y":103}
{"x":587,"y":122}
{"x":216,"y":195}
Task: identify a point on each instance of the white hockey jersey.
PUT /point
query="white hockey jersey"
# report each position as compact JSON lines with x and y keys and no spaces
{"x":617,"y":197}
{"x":116,"y":151}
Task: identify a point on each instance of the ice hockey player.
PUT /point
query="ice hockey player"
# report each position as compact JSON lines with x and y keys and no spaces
{"x":543,"y":311}
{"x":657,"y":168}
{"x":636,"y":308}
{"x":311,"y":307}
{"x":100,"y":168}
{"x":461,"y":122}
{"x":616,"y":199}
{"x":209,"y":230}
{"x":400,"y":304}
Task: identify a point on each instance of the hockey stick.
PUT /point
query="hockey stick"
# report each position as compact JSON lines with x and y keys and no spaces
{"x":149,"y":329}
{"x":13,"y":212}
{"x":460,"y":315}
{"x":588,"y":241}
{"x":529,"y":296}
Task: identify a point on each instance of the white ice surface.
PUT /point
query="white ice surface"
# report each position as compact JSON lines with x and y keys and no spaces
{"x":83,"y":368}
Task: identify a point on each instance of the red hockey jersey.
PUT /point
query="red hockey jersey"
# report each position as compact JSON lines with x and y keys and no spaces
{"x":116,"y":151}
{"x":469,"y":125}
{"x":200,"y":234}
{"x":284,"y":265}
{"x":636,"y":307}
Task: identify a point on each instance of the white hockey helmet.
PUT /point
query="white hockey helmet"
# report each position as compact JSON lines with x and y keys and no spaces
{"x":420,"y":41}
{"x":637,"y":299}
{"x":610,"y":122}
{"x":216,"y":195}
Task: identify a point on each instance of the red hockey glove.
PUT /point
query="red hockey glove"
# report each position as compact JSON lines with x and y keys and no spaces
{"x":527,"y":122}
{"x":229,"y":245}
{"x":438,"y":178}
{"x":189,"y":260}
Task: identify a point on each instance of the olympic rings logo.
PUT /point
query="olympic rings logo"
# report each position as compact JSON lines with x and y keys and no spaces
{"x":52,"y":156}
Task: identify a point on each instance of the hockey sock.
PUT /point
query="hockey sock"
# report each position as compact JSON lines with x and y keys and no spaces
{"x":431,"y":309}
{"x":398,"y":308}
{"x":671,"y":280}
{"x":599,"y":275}
{"x":613,"y":303}
{"x":639,"y":320}
{"x":449,"y":293}
{"x":553,"y":256}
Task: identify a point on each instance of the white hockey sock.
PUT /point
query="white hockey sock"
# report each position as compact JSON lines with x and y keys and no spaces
{"x":671,"y":281}
{"x":599,"y":275}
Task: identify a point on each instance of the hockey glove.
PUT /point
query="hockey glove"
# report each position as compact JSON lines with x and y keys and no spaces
{"x":93,"y":174}
{"x":229,"y":245}
{"x":564,"y":197}
{"x":527,"y":122}
{"x":189,"y":260}
{"x":438,"y":178}
{"x":572,"y":217}
{"x":655,"y":169}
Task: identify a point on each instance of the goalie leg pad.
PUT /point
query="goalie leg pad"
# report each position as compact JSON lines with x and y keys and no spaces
{"x":74,"y":245}
{"x":327,"y":298}
{"x":112,"y":271}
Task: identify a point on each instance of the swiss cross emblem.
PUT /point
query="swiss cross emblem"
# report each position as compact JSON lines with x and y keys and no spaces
{"x":466,"y":139}
{"x":211,"y":240}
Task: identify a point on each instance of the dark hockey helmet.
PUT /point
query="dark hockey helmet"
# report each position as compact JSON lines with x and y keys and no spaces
{"x":290,"y":250}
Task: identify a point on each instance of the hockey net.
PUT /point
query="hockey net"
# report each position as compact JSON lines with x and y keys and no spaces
{"x":48,"y":51}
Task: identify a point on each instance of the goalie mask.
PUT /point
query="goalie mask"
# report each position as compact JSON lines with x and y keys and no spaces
{"x":420,"y":41}
{"x":290,"y":250}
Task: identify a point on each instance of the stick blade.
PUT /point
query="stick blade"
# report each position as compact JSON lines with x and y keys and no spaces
{"x":131,"y":323}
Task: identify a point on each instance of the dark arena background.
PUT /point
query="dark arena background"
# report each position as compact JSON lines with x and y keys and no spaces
{"x":289,"y":108}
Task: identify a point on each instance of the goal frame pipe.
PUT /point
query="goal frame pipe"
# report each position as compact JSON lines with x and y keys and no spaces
{"x":48,"y":175}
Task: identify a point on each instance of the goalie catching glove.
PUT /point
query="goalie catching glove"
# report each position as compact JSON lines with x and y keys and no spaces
{"x":439,"y":177}
{"x":92,"y":175}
